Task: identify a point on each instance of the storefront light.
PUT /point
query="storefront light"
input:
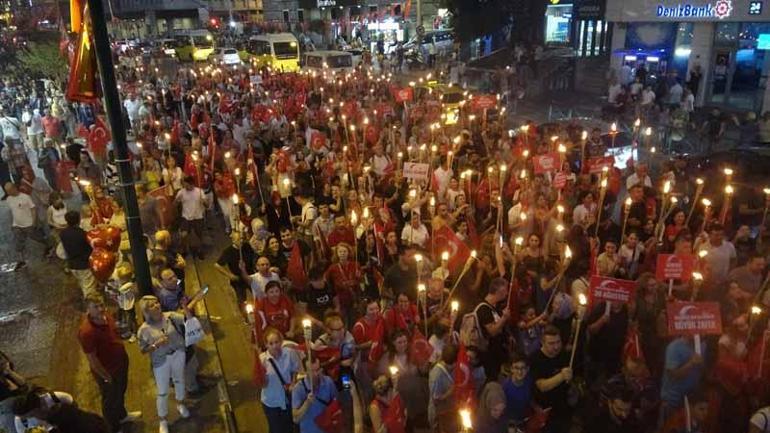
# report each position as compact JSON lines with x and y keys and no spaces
{"x":629,"y":58}
{"x":653,"y":59}
{"x":682,"y":52}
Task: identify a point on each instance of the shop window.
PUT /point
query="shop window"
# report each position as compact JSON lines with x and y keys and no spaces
{"x":557,"y":24}
{"x":726,"y":33}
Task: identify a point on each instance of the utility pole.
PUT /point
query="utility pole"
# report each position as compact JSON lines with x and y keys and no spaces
{"x":115,"y":119}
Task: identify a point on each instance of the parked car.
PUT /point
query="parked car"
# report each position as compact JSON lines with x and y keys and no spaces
{"x":226,"y":56}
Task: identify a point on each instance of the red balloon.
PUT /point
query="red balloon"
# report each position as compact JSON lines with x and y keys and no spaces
{"x":102,"y":263}
{"x":111,"y":237}
{"x":95,"y":238}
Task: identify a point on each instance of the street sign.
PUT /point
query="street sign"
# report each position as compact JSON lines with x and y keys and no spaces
{"x":691,"y":318}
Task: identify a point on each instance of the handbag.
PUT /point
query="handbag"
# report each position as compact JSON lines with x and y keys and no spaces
{"x":330,"y":420}
{"x":193,"y":331}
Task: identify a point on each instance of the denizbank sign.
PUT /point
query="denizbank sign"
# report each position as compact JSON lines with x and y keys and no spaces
{"x":720,"y":9}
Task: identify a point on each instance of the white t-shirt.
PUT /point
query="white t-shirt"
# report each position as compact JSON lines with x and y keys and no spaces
{"x":719,"y":259}
{"x":192,"y":203}
{"x":258,"y":282}
{"x":132,"y":107}
{"x":413,"y":236}
{"x":761,"y":419}
{"x":634,"y":179}
{"x":442,"y":179}
{"x":10,"y":127}
{"x":174,"y":178}
{"x":22,"y":210}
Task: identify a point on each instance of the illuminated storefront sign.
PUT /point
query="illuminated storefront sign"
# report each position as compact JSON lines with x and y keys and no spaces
{"x":720,"y":9}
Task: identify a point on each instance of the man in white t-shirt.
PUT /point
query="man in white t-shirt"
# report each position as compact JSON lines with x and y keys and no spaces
{"x":194,"y":204}
{"x":9,"y":126}
{"x":640,"y":176}
{"x":415,"y":233}
{"x":721,"y":253}
{"x":24,"y":221}
{"x":259,"y":279}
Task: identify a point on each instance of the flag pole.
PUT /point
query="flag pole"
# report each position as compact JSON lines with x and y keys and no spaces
{"x":115,"y":119}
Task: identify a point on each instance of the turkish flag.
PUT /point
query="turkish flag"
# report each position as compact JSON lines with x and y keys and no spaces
{"x":465,"y":389}
{"x":420,"y":350}
{"x":378,"y":343}
{"x":98,"y":137}
{"x":295,"y":270}
{"x":260,"y":373}
{"x":445,"y":240}
{"x":317,"y":141}
{"x":632,"y":349}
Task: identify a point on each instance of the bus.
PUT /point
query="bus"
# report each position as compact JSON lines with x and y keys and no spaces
{"x":277,"y":50}
{"x":194,"y":45}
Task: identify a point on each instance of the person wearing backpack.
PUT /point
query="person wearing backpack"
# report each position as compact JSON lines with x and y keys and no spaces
{"x":492,"y":331}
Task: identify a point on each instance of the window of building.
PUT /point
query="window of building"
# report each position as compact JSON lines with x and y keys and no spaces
{"x":286,"y":15}
{"x":557,"y":24}
{"x":301,"y":15}
{"x":372,"y":8}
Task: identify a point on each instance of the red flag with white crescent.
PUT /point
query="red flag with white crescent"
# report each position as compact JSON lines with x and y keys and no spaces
{"x":295,"y":269}
{"x":420,"y":349}
{"x":446,"y":240}
{"x":98,"y":137}
{"x":465,"y":389}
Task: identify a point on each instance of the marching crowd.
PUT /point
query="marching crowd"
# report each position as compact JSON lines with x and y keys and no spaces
{"x":401,"y":273}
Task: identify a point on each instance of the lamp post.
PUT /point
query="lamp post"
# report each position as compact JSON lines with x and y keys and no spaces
{"x":112,"y":106}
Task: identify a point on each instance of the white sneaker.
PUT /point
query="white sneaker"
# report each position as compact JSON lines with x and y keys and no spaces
{"x":183,"y":411}
{"x":163,"y":428}
{"x":131,"y":417}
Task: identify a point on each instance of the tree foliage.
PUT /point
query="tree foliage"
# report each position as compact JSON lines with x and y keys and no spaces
{"x":43,"y":59}
{"x":473,"y":19}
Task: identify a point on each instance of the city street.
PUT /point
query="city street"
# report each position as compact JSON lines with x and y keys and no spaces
{"x":40,"y":315}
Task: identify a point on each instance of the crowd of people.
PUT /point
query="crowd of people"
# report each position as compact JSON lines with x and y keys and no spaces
{"x":401,"y":273}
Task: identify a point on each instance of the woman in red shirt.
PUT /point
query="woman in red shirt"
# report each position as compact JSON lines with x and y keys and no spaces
{"x":274,"y":310}
{"x":345,"y":276}
{"x":403,"y":315}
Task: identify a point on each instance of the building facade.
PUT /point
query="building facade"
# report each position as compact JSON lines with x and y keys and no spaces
{"x":142,"y":18}
{"x":372,"y":20}
{"x":726,"y":40}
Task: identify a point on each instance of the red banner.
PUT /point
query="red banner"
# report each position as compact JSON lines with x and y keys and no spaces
{"x":483,"y":102}
{"x":690,"y":318}
{"x":546,"y":163}
{"x":596,"y":165}
{"x":560,"y":180}
{"x":611,"y":289}
{"x":317,"y":140}
{"x":405,"y":94}
{"x":674,"y":267}
{"x":445,"y":240}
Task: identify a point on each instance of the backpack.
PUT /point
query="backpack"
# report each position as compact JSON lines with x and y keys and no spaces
{"x":471,"y":333}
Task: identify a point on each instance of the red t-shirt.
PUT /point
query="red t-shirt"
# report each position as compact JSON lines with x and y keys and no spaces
{"x":277,"y":315}
{"x":345,"y":279}
{"x":104,"y":342}
{"x":363,"y":332}
{"x":51,"y":126}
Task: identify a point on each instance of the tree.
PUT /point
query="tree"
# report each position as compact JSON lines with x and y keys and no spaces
{"x":43,"y":60}
{"x":472,"y":19}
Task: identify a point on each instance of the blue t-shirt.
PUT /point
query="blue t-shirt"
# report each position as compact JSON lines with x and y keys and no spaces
{"x":518,"y":398}
{"x":678,"y":352}
{"x":325,"y":391}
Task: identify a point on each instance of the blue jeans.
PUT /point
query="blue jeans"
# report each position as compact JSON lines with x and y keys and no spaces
{"x":278,"y":420}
